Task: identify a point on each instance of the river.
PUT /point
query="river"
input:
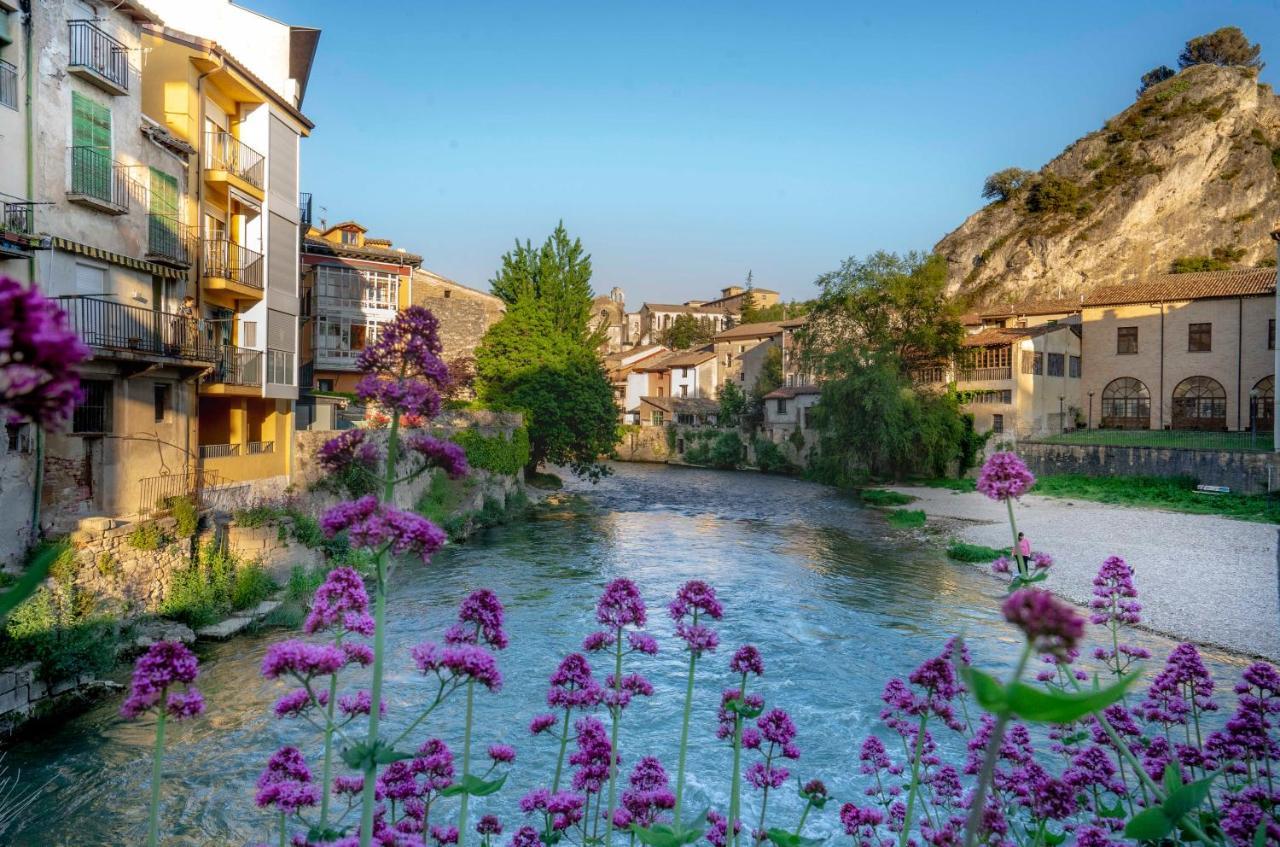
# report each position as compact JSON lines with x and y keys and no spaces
{"x":835,"y":600}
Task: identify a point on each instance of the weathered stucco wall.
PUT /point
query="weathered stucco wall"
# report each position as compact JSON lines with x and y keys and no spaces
{"x":1246,"y":473}
{"x":644,"y":444}
{"x":17,"y":477}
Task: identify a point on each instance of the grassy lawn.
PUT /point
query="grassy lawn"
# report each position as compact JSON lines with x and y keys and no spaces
{"x":906,"y":518}
{"x":962,"y":551}
{"x":1183,"y":439}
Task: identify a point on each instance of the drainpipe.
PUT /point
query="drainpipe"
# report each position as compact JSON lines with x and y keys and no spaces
{"x":1275,"y":434}
{"x":28,"y":24}
{"x":1239,"y":356}
{"x":1161,"y":406}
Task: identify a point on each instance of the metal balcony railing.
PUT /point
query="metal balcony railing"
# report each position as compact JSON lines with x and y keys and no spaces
{"x":260,"y":448}
{"x":982,"y":374}
{"x":93,"y":49}
{"x":8,"y":85}
{"x":108,"y":325}
{"x":225,"y":152}
{"x":94,"y":175}
{"x":18,"y":218}
{"x":219,"y":451}
{"x":304,"y":211}
{"x":157,"y":493}
{"x":237,"y":366}
{"x":227,"y":260}
{"x":931,"y":375}
{"x":170,"y":241}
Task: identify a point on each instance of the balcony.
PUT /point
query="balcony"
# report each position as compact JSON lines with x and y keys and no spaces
{"x":227,"y":160}
{"x":8,"y":85}
{"x":98,"y":58}
{"x":170,"y":242}
{"x":985,"y":374}
{"x":98,"y":182}
{"x":304,"y":212}
{"x":238,"y":371}
{"x":134,"y":333}
{"x":17,"y":230}
{"x":227,"y":266}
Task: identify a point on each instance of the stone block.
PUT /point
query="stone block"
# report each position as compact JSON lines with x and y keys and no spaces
{"x":26,"y":674}
{"x":265,"y":608}
{"x":63,"y":686}
{"x":14,"y":700}
{"x":224,"y":629}
{"x":8,"y":681}
{"x":37,"y":690}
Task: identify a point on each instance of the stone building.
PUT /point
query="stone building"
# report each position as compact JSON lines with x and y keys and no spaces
{"x":465,"y":313}
{"x":609,"y":316}
{"x":743,"y":350}
{"x":1182,"y":351}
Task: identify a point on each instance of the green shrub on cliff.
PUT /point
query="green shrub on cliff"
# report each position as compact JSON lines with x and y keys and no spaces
{"x":496,"y":454}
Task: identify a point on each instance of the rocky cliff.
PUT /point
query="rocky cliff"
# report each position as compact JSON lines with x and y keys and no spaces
{"x":1192,"y":169}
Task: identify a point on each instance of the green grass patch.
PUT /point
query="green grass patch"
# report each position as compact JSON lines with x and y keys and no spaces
{"x":962,"y":551}
{"x":949,"y":484}
{"x":1174,"y":493}
{"x":884,"y":497}
{"x":1176,"y":438}
{"x":906,"y":518}
{"x":214,"y":586}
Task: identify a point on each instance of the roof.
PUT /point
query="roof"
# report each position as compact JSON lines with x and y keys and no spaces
{"x":346,"y":225}
{"x":756,"y":330}
{"x":995,"y":335}
{"x":688,"y":358}
{"x":302,"y":55}
{"x":1191,"y":286}
{"x":1063,"y":305}
{"x":674,"y":405}
{"x":323,"y":247}
{"x":970,"y":319}
{"x":787,"y":392}
{"x":672,"y":307}
{"x":794,"y":323}
{"x":456,"y":284}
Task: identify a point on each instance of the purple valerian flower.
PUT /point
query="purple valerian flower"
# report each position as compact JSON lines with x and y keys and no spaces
{"x":458,"y":663}
{"x":1002,"y":565}
{"x":39,"y":358}
{"x":1183,"y":686}
{"x":374,"y":525}
{"x":1249,"y":736}
{"x":359,"y":703}
{"x":434,"y":764}
{"x":1246,"y":811}
{"x":1005,"y":476}
{"x":438,"y":453}
{"x":621,"y":605}
{"x":647,"y":794}
{"x":593,"y":756}
{"x":696,"y":599}
{"x":408,"y":346}
{"x":358,"y":654}
{"x":351,"y":447}
{"x":502,"y":754}
{"x":718,"y":829}
{"x":727,"y":717}
{"x":286,"y":782}
{"x":698,"y":639}
{"x":777,"y":729}
{"x":526,"y":836}
{"x":298,"y":701}
{"x":1114,"y":604}
{"x":489,"y":825}
{"x":747,"y":660}
{"x":480,"y":619}
{"x":860,"y":823}
{"x":1041,"y":561}
{"x":1050,"y":625}
{"x":560,"y":810}
{"x":766,"y":775}
{"x":341,"y":596}
{"x":642,"y":642}
{"x":165,"y":664}
{"x":443,"y":835}
{"x":410,"y":396}
{"x":633,"y":685}
{"x":572,"y":686}
{"x":541,"y":723}
{"x":302,"y":659}
{"x":1092,"y":836}
{"x":596,"y":642}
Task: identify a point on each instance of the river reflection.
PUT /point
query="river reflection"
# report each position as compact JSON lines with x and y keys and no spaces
{"x":836,"y":602}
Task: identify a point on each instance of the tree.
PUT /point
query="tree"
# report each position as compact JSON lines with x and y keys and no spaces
{"x":733,"y":404}
{"x":1227,"y":46}
{"x":1053,"y":193}
{"x":748,"y":310}
{"x":686,"y":331}
{"x":1004,"y":184}
{"x":1155,"y":76}
{"x":768,"y":380}
{"x":557,"y":275}
{"x":885,"y":303}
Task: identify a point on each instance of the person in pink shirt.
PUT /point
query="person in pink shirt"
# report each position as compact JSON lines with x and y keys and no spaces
{"x":1024,"y":546}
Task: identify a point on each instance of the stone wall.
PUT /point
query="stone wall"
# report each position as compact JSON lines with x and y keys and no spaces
{"x":644,"y":444}
{"x":17,"y":479}
{"x":1245,"y":473}
{"x":464,"y":313}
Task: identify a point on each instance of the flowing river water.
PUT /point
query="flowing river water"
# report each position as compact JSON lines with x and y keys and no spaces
{"x":837,"y":602}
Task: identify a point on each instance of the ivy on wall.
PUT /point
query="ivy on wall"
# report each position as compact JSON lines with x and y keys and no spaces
{"x":496,"y":454}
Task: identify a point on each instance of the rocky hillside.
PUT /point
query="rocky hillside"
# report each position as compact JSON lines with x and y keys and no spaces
{"x":1190,"y":172}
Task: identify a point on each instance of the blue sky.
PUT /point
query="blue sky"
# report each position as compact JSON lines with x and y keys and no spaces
{"x":686,"y":143}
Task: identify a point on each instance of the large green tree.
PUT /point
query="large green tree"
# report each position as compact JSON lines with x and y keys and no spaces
{"x":540,"y":358}
{"x":1227,"y":46}
{"x":686,"y":331}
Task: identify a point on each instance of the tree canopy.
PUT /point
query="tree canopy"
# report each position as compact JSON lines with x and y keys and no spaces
{"x":687,"y":331}
{"x":557,"y":275}
{"x":1227,"y":46}
{"x":733,"y":404}
{"x":1003,"y":184}
{"x":1155,"y":76}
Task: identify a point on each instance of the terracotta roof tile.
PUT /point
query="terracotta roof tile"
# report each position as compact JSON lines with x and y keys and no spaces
{"x":1009,"y":334}
{"x":787,"y":392}
{"x":688,"y":358}
{"x":1192,"y":286}
{"x":1065,"y":305}
{"x":757,"y":330}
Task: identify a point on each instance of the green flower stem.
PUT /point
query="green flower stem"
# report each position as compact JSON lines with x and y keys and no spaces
{"x":735,"y":789}
{"x":1017,"y":553}
{"x":367,"y":800}
{"x":466,"y":764}
{"x":616,"y":712}
{"x":915,"y":782}
{"x":284,"y":830}
{"x":684,"y":731}
{"x":764,"y":797}
{"x":327,"y":768}
{"x":564,"y":744}
{"x":979,"y":802}
{"x":803,"y":816}
{"x":157,"y":774}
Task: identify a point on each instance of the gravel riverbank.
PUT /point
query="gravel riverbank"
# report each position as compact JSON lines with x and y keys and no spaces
{"x":1201,"y":578}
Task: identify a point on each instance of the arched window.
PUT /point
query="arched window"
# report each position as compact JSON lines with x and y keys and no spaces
{"x":1126,"y":404}
{"x":1199,"y":402}
{"x":1262,"y":403}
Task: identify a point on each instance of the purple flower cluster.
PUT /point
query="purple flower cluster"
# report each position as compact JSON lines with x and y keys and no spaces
{"x":373,"y":525}
{"x":438,"y":453}
{"x":594,"y":756}
{"x":646,"y":796}
{"x":1004,"y":476}
{"x":747,"y":660}
{"x":1115,"y":603}
{"x":718,"y":829}
{"x":39,"y":358}
{"x":621,"y":605}
{"x":480,"y":620}
{"x":458,"y":663}
{"x":302,"y":659}
{"x":407,"y":347}
{"x":727,"y":717}
{"x":286,"y":783}
{"x":341,"y":598}
{"x":561,"y":810}
{"x":696,"y":599}
{"x":572,"y":685}
{"x":1050,"y":625}
{"x":351,"y":447}
{"x":165,"y":664}
{"x":1182,"y":688}
{"x":773,"y":735}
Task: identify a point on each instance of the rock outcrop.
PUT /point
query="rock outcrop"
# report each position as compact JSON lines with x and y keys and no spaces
{"x":1192,"y":169}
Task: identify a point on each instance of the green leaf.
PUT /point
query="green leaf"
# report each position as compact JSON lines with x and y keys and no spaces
{"x":1148,"y":825}
{"x":37,"y":570}
{"x":987,"y":690}
{"x":386,"y":755}
{"x":474,"y":785}
{"x":1186,"y":798}
{"x":658,"y":835}
{"x":1172,"y":779}
{"x":1053,"y":839}
{"x":1260,"y":834}
{"x":1116,"y":811}
{"x":783,"y":838}
{"x":1032,"y":703}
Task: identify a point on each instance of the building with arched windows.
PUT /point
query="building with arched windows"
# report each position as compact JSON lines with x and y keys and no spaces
{"x":1192,"y":351}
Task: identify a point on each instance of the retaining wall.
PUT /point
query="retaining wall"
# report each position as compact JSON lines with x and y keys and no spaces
{"x":1246,"y":473}
{"x":644,"y":444}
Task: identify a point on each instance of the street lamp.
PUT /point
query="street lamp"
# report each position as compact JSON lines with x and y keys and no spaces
{"x":1090,"y":410}
{"x":1062,"y":416}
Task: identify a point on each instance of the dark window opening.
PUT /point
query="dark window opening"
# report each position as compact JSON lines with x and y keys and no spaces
{"x":997,"y":423}
{"x":161,"y":401}
{"x":1127,"y":340}
{"x":1199,"y":338}
{"x":1056,"y":362}
{"x":93,"y":414}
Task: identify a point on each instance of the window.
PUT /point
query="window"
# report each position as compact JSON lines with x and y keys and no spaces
{"x":742,"y":376}
{"x":1262,"y":405}
{"x":1073,"y":370}
{"x":1271,"y":333}
{"x":249,"y":333}
{"x":161,"y":400}
{"x":448,"y":293}
{"x":1199,"y":338}
{"x":324,"y":385}
{"x":993,"y":395}
{"x":684,"y":391}
{"x":339,"y":286}
{"x":1055,"y":364}
{"x":1199,"y":402}
{"x":350,"y":236}
{"x":1126,"y":340}
{"x":1126,"y":404}
{"x":656,"y":417}
{"x":997,"y":423}
{"x":1032,"y":363}
{"x":684,"y":373}
{"x":684,"y":419}
{"x":93,"y":414}
{"x":660,"y":390}
{"x":8,"y":81}
{"x":781,"y":406}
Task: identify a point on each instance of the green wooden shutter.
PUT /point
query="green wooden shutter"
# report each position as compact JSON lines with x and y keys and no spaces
{"x":163,"y":221}
{"x":164,"y":194}
{"x":91,"y":143}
